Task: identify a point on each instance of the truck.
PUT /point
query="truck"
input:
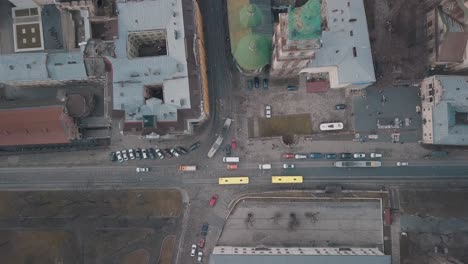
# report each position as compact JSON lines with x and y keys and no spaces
{"x":231,"y":159}
{"x":188,"y":168}
{"x":362,"y":164}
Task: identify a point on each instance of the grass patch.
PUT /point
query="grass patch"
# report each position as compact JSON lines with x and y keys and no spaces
{"x":167,"y":250}
{"x":299,"y":124}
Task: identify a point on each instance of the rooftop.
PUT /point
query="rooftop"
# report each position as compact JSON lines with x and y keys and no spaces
{"x":346,"y":45}
{"x":305,"y":22}
{"x":453,"y":46}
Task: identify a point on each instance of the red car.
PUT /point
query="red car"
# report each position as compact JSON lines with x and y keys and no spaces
{"x":232,"y":167}
{"x":201,"y":243}
{"x":288,"y":156}
{"x":213,"y":200}
{"x":233,"y":144}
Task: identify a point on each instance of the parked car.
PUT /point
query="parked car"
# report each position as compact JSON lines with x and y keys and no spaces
{"x":233,"y":144}
{"x":201,"y":243}
{"x":151,"y":153}
{"x":340,"y":106}
{"x":138,"y":153}
{"x":174,"y":152}
{"x":119,"y":156}
{"x":250,"y":85}
{"x":268,"y":111}
{"x":195,"y":145}
{"x":113,"y":156}
{"x":315,"y":155}
{"x":288,"y":166}
{"x":204,"y":229}
{"x":142,"y":169}
{"x":330,"y":156}
{"x":168,"y":153}
{"x":181,"y":150}
{"x":402,"y":163}
{"x":376,"y":155}
{"x":213,"y":200}
{"x":292,"y":88}
{"x":257,"y":82}
{"x":124,"y":154}
{"x":265,"y":84}
{"x":200,"y":257}
{"x":159,"y":153}
{"x":131,"y":154}
{"x":193,"y":250}
{"x":287,"y":156}
{"x":232,"y":166}
{"x":346,"y":155}
{"x":144,"y":154}
{"x":359,"y":155}
{"x":300,"y":156}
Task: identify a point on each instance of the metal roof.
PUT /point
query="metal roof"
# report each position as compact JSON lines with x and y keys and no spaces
{"x":346,"y":45}
{"x":297,"y":259}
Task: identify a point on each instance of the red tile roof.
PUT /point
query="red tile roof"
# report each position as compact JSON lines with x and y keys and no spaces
{"x":317,"y":86}
{"x":36,"y":126}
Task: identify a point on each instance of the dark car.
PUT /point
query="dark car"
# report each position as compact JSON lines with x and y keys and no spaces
{"x":330,"y":156}
{"x":340,"y":106}
{"x":257,"y":82}
{"x":204,"y":229}
{"x":265,"y":84}
{"x":151,"y":153}
{"x":168,"y":153}
{"x":315,"y":155}
{"x":346,"y":155}
{"x":228,"y":150}
{"x":113,"y":156}
{"x":138,"y":153}
{"x":292,"y":88}
{"x":182,"y":150}
{"x":195,"y":145}
{"x":250,"y":85}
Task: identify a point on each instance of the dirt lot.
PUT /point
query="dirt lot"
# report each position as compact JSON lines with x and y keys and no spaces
{"x":89,"y":227}
{"x":433,"y":221}
{"x":285,"y":125}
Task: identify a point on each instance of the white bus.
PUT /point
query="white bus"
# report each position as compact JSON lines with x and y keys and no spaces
{"x":331,"y":126}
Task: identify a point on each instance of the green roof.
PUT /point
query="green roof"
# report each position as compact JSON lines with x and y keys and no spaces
{"x":250,"y":16}
{"x":305,"y":22}
{"x":253,"y":52}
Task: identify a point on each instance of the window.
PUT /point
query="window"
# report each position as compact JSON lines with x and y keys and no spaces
{"x":429,"y":24}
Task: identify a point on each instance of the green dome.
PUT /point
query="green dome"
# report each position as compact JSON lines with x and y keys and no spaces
{"x":253,"y":52}
{"x":250,"y":16}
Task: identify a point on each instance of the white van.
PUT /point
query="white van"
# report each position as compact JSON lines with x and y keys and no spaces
{"x":264,"y":166}
{"x":331,"y":126}
{"x":231,"y":159}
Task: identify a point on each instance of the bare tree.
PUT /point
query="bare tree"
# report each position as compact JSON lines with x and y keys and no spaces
{"x":250,"y":219}
{"x":293,"y":222}
{"x":276,"y":218}
{"x":312,"y":216}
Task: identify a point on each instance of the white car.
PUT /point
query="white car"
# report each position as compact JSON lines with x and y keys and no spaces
{"x":288,"y":166}
{"x":268,"y":111}
{"x":159,"y":153}
{"x":131,"y":153}
{"x":359,"y":155}
{"x":124,"y":154}
{"x":119,"y":156}
{"x":300,"y":156}
{"x":174,"y":152}
{"x":402,"y":163}
{"x":144,"y":153}
{"x":264,"y":166}
{"x":200,"y":256}
{"x":142,"y":169}
{"x":192,"y":252}
{"x":376,"y":155}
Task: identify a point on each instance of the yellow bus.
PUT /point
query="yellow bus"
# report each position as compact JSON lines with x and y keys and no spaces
{"x":234,"y":180}
{"x":286,"y":179}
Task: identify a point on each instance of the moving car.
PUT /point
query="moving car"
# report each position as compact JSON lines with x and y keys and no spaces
{"x":346,"y":155}
{"x":195,"y":145}
{"x":119,"y":156}
{"x":300,"y":156}
{"x":250,"y":85}
{"x":200,"y":256}
{"x":194,"y":249}
{"x":204,"y":229}
{"x":359,"y":155}
{"x":233,"y":144}
{"x":231,"y":159}
{"x":268,"y":111}
{"x":188,"y":168}
{"x":113,"y":156}
{"x":159,"y":153}
{"x":142,"y":169}
{"x":330,"y":156}
{"x":213,"y":200}
{"x":144,"y":153}
{"x":174,"y":152}
{"x":257,"y":82}
{"x":201,"y":243}
{"x":287,"y":156}
{"x":265,"y":84}
{"x":315,"y":155}
{"x":340,"y":106}
{"x":376,"y":155}
{"x":124,"y":154}
{"x":151,"y":153}
{"x":131,"y":153}
{"x":264,"y":166}
{"x":232,"y":166}
{"x":288,"y":166}
{"x":402,"y":163}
